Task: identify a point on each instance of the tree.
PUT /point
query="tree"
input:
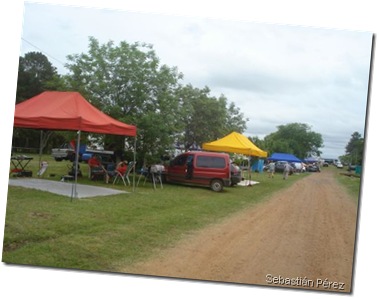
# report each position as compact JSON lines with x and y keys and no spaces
{"x":34,"y":74}
{"x":206,"y":118}
{"x":354,"y":149}
{"x":127,"y":82}
{"x":294,"y":138}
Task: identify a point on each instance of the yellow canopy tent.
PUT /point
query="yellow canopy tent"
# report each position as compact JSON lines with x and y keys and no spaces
{"x":235,"y":143}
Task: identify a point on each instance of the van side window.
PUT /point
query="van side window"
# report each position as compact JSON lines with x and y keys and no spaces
{"x":210,"y":162}
{"x":180,"y":161}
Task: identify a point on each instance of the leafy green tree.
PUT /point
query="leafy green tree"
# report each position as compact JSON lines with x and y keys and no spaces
{"x":128,"y":82}
{"x":294,"y":138}
{"x":35,"y":75}
{"x":354,"y":149}
{"x":235,"y":120}
{"x":258,"y":142}
{"x":206,"y":118}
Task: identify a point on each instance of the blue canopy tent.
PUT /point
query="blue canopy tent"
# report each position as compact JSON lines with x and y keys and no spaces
{"x":283,"y":157}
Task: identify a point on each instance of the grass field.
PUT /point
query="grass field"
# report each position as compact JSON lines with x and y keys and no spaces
{"x":105,"y":233}
{"x":351,"y":183}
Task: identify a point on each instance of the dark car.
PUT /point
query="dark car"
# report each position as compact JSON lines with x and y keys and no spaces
{"x":313,"y":168}
{"x":235,"y":174}
{"x":279,"y":166}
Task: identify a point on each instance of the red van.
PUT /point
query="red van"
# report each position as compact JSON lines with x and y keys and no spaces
{"x":200,"y":168}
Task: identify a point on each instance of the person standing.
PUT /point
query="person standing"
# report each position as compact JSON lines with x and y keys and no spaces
{"x":271,"y":169}
{"x":286,"y":170}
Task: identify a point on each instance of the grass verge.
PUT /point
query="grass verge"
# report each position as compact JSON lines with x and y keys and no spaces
{"x":351,"y":183}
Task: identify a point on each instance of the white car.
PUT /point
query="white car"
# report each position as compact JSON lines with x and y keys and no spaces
{"x":339,"y":165}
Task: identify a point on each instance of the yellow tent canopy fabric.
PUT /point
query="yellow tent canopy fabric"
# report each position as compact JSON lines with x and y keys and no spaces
{"x":235,"y":143}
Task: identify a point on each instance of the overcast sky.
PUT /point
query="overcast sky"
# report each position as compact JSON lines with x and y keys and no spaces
{"x":276,"y":74}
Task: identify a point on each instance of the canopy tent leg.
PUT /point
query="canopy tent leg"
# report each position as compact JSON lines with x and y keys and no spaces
{"x":42,"y":143}
{"x":74,"y":192}
{"x":40,"y":148}
{"x":134,"y":160}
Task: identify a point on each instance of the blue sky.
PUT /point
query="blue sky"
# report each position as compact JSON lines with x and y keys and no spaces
{"x":276,"y":74}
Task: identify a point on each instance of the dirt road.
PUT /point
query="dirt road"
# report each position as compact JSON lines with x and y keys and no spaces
{"x":302,"y":237}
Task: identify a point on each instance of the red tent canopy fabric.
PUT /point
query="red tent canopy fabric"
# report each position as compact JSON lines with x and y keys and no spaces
{"x":59,"y":110}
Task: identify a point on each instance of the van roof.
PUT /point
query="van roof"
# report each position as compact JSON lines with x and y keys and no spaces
{"x":206,"y":153}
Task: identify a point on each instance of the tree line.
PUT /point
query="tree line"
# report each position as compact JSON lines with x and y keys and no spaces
{"x":128,"y":82}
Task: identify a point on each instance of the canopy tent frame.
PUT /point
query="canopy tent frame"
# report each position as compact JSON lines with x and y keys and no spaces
{"x":236,"y":143}
{"x":50,"y":109}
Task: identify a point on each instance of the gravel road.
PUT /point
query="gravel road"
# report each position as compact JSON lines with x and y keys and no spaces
{"x":302,"y":237}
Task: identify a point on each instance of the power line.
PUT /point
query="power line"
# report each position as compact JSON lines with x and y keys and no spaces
{"x":39,"y":49}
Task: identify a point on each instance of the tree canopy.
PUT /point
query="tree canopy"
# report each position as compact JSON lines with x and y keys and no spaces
{"x":34,"y":74}
{"x":128,"y":82}
{"x":294,"y":138}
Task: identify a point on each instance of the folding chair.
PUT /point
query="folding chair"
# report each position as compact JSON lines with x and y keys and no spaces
{"x":126,"y":175}
{"x":43,"y":168}
{"x":154,"y":174}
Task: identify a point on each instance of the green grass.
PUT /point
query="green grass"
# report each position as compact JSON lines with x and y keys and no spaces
{"x":351,"y":183}
{"x":107,"y":233}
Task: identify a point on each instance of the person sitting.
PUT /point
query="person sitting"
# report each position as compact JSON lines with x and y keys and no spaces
{"x":96,"y":168}
{"x":121,"y":169}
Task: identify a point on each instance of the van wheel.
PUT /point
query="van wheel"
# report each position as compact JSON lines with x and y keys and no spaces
{"x":217,"y":185}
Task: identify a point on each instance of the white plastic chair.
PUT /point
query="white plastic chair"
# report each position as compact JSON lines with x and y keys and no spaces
{"x":126,"y":175}
{"x":43,"y":168}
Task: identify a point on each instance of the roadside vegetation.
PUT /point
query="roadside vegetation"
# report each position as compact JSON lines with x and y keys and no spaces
{"x":350,"y":181}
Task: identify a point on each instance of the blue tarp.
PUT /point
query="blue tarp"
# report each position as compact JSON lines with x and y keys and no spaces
{"x":283,"y":157}
{"x":258,"y":166}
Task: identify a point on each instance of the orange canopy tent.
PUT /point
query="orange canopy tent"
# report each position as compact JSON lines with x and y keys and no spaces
{"x":59,"y":110}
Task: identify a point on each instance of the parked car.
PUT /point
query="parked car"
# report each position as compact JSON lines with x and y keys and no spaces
{"x":279,"y":166}
{"x":339,"y":165}
{"x":236,"y":174}
{"x":313,"y":168}
{"x":201,"y":169}
{"x":66,"y":152}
